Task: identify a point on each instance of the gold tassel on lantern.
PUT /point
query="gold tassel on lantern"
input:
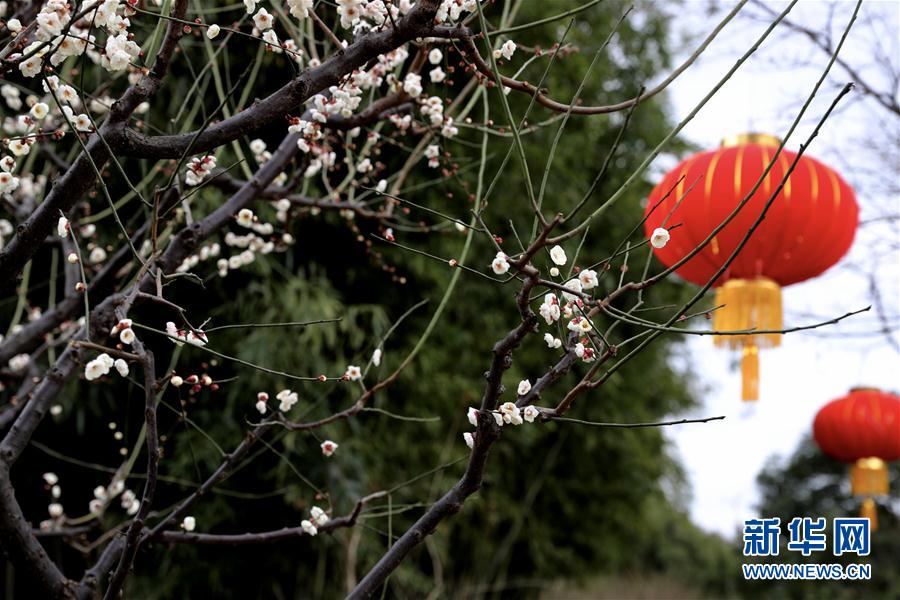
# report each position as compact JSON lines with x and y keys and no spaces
{"x":869,"y":510}
{"x":869,"y":477}
{"x":750,"y":374}
{"x":748,"y":304}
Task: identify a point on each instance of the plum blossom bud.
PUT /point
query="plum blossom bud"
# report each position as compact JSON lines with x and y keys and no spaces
{"x":328,"y":447}
{"x":660,"y":238}
{"x":554,"y":272}
{"x":261,"y":406}
{"x":472,"y":415}
{"x":524,"y":387}
{"x":72,"y":258}
{"x":435,"y":56}
{"x":62,"y":227}
{"x":212,"y":31}
{"x":469,"y":437}
{"x":189,"y":523}
{"x":55,"y":510}
{"x":558,"y":255}
{"x":376,"y":357}
{"x":176,"y":381}
{"x":50,"y":478}
{"x":121,"y":366}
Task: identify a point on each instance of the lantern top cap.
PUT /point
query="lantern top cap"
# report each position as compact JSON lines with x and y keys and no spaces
{"x":750,"y":138}
{"x":864,"y":388}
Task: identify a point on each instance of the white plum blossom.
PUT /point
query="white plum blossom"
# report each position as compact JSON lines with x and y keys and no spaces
{"x":98,"y":367}
{"x":500,"y":264}
{"x":189,"y":523}
{"x":588,"y":279}
{"x":524,"y":387}
{"x":530,"y":413}
{"x":660,"y":238}
{"x":469,"y":438}
{"x":308,"y":528}
{"x":552,"y":342}
{"x":8,"y":183}
{"x":127,"y":336}
{"x":558,"y":255}
{"x":50,"y":478}
{"x":97,"y":255}
{"x":353,"y":373}
{"x":432,"y":153}
{"x":412,"y":84}
{"x":437,"y":75}
{"x":40,"y":110}
{"x":299,"y":9}
{"x":506,"y":50}
{"x":510,"y":413}
{"x":328,"y":447}
{"x":549,"y":309}
{"x":245,"y":218}
{"x":198,"y":169}
{"x":435,"y":56}
{"x":120,"y":51}
{"x":318,"y":516}
{"x":121,"y":366}
{"x":573,"y":285}
{"x":263,"y":20}
{"x":350,"y":12}
{"x":287,"y":399}
{"x":55,"y":510}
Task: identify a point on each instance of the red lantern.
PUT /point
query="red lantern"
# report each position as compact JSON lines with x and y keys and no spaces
{"x":807,"y":229}
{"x":862,"y":428}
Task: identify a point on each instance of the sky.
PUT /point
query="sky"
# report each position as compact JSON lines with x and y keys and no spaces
{"x":723,"y":458}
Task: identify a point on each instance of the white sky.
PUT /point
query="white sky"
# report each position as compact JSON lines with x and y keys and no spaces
{"x":722,"y":459}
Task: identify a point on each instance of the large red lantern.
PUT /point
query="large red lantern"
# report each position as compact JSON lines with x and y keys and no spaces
{"x":807,"y":229}
{"x":863,"y":429}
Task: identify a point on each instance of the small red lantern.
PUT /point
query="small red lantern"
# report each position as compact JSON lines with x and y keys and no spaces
{"x":862,"y":428}
{"x":808,"y":228}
